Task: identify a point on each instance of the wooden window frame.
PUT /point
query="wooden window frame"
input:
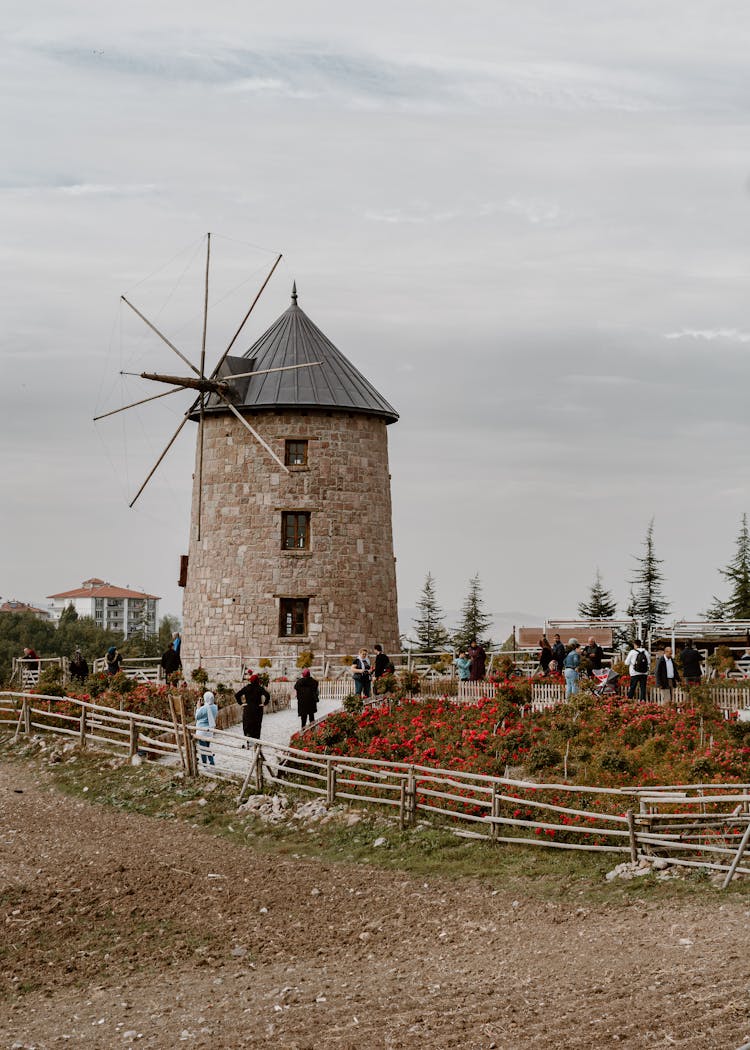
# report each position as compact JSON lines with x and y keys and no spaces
{"x":289,"y":444}
{"x":295,"y":526}
{"x":293,"y":612}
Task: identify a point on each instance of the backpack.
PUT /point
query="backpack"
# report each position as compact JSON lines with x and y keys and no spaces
{"x":640,"y":664}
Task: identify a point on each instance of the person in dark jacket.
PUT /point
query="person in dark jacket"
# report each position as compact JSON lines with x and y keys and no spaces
{"x":306,"y":688}
{"x":559,"y":652}
{"x":113,"y":660}
{"x":594,"y":654}
{"x":170,"y":660}
{"x":545,"y":655}
{"x":252,"y":698}
{"x":383,"y":663}
{"x":667,"y":675}
{"x":78,"y":666}
{"x":691,"y":661}
{"x":478,"y":657}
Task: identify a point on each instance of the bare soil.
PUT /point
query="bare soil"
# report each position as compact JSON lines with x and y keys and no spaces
{"x":121,"y":929}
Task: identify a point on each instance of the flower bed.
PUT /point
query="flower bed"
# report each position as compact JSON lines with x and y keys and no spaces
{"x":610,"y":742}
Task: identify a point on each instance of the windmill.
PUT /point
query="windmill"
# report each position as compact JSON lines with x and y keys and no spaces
{"x":223,"y":386}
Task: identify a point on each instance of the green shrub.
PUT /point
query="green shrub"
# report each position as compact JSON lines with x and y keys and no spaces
{"x":409,"y":682}
{"x":96,"y":684}
{"x":385,"y":684}
{"x":51,"y":681}
{"x":542,"y":757}
{"x":353,"y":704}
{"x":703,"y":767}
{"x":121,"y":684}
{"x":199,"y":675}
{"x":615,"y":762}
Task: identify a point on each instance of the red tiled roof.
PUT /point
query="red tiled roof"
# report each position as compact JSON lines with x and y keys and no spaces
{"x":102,"y":590}
{"x":14,"y":606}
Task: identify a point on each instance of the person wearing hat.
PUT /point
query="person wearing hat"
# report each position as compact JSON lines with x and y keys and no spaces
{"x":570,"y":667}
{"x":78,"y":667}
{"x":205,"y":720}
{"x":306,"y":688}
{"x":252,"y":698}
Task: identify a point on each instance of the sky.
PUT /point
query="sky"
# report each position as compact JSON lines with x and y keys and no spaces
{"x":528,"y":224}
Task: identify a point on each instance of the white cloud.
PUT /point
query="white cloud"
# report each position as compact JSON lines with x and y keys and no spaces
{"x":733,"y":335}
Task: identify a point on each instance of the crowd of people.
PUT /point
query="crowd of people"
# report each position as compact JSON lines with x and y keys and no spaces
{"x":572,"y":660}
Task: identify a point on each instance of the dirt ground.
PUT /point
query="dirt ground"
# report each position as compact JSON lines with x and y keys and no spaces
{"x":121,"y":930}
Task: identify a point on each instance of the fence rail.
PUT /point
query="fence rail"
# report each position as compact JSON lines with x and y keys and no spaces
{"x":698,"y":825}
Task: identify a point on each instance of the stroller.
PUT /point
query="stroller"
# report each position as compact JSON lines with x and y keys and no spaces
{"x":608,"y":680}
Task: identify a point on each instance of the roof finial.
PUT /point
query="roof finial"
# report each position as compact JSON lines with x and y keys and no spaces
{"x":294,"y":293}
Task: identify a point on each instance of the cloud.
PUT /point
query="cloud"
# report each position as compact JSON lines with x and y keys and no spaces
{"x":82,"y":189}
{"x":733,"y":335}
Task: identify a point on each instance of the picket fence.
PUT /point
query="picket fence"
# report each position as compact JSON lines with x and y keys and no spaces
{"x":707,"y":826}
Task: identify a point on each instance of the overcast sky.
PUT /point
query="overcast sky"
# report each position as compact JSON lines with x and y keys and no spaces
{"x":528,"y":224}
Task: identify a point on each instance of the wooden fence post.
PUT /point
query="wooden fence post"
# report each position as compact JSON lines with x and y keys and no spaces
{"x":495,"y":812}
{"x":644,"y":818}
{"x":331,"y":784}
{"x":26,"y":716}
{"x":411,"y":791}
{"x":737,"y":858}
{"x":82,"y":729}
{"x":133,"y":738}
{"x":258,"y":762}
{"x":632,"y":836}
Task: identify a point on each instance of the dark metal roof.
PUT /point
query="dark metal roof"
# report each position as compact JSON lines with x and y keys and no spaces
{"x":333,"y":384}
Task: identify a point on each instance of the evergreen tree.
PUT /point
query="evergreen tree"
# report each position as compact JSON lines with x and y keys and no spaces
{"x":601,"y":605}
{"x":716,"y":612}
{"x":474,"y":620}
{"x":68,"y":615}
{"x":429,"y":628}
{"x":737,"y":606}
{"x":648,"y":603}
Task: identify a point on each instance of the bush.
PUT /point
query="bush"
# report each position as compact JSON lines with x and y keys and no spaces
{"x":409,"y":682}
{"x":542,"y":757}
{"x":615,"y":762}
{"x":199,"y":675}
{"x":121,"y":684}
{"x":51,"y":681}
{"x":96,"y":684}
{"x":305,"y":659}
{"x":385,"y":684}
{"x":354,"y":704}
{"x":703,"y":768}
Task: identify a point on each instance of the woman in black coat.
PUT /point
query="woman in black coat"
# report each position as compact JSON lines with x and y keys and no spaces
{"x":251,"y":700}
{"x":306,"y":689}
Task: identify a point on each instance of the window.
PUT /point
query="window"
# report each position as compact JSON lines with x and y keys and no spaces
{"x":295,"y":453}
{"x":292,"y":617}
{"x":295,"y":530}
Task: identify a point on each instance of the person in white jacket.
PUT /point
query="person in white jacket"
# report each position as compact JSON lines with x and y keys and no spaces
{"x":638,"y":662}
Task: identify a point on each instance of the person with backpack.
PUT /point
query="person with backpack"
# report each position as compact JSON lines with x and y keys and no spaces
{"x":638,"y":662}
{"x":383,"y":663}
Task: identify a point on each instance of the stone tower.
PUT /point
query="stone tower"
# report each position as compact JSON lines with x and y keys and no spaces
{"x":302,"y":558}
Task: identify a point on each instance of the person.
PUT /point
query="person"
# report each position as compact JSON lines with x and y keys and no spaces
{"x":113,"y":660}
{"x":361,"y":674}
{"x":478,"y":658}
{"x":638,"y":662}
{"x":383,"y":663}
{"x":545,"y":654}
{"x":691,"y":661}
{"x":205,"y":720}
{"x":170,"y":661}
{"x":252,"y":698}
{"x":463,"y":666}
{"x":306,"y":688}
{"x":31,"y":658}
{"x":177,"y":646}
{"x":558,"y":654}
{"x":570,"y":667}
{"x":594,"y":655}
{"x":78,"y":666}
{"x":667,"y":675}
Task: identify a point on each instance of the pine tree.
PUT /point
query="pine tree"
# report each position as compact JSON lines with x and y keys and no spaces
{"x":648,"y":603}
{"x":430,"y":631}
{"x":474,"y":620}
{"x":737,"y":606}
{"x":601,"y":605}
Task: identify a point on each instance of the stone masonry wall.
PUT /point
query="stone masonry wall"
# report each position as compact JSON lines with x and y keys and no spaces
{"x":238,"y":572}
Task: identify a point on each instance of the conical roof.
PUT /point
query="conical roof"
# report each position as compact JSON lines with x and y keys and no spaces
{"x":333,"y":384}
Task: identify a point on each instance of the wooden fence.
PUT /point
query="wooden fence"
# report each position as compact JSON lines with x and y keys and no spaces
{"x":698,"y":825}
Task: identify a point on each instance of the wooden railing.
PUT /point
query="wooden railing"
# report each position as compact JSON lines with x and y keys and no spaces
{"x":702,"y":825}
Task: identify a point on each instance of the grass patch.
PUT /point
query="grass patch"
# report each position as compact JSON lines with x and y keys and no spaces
{"x":426,"y":850}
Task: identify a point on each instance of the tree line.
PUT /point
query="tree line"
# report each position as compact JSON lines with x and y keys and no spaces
{"x":73,"y":632}
{"x":647,"y":602}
